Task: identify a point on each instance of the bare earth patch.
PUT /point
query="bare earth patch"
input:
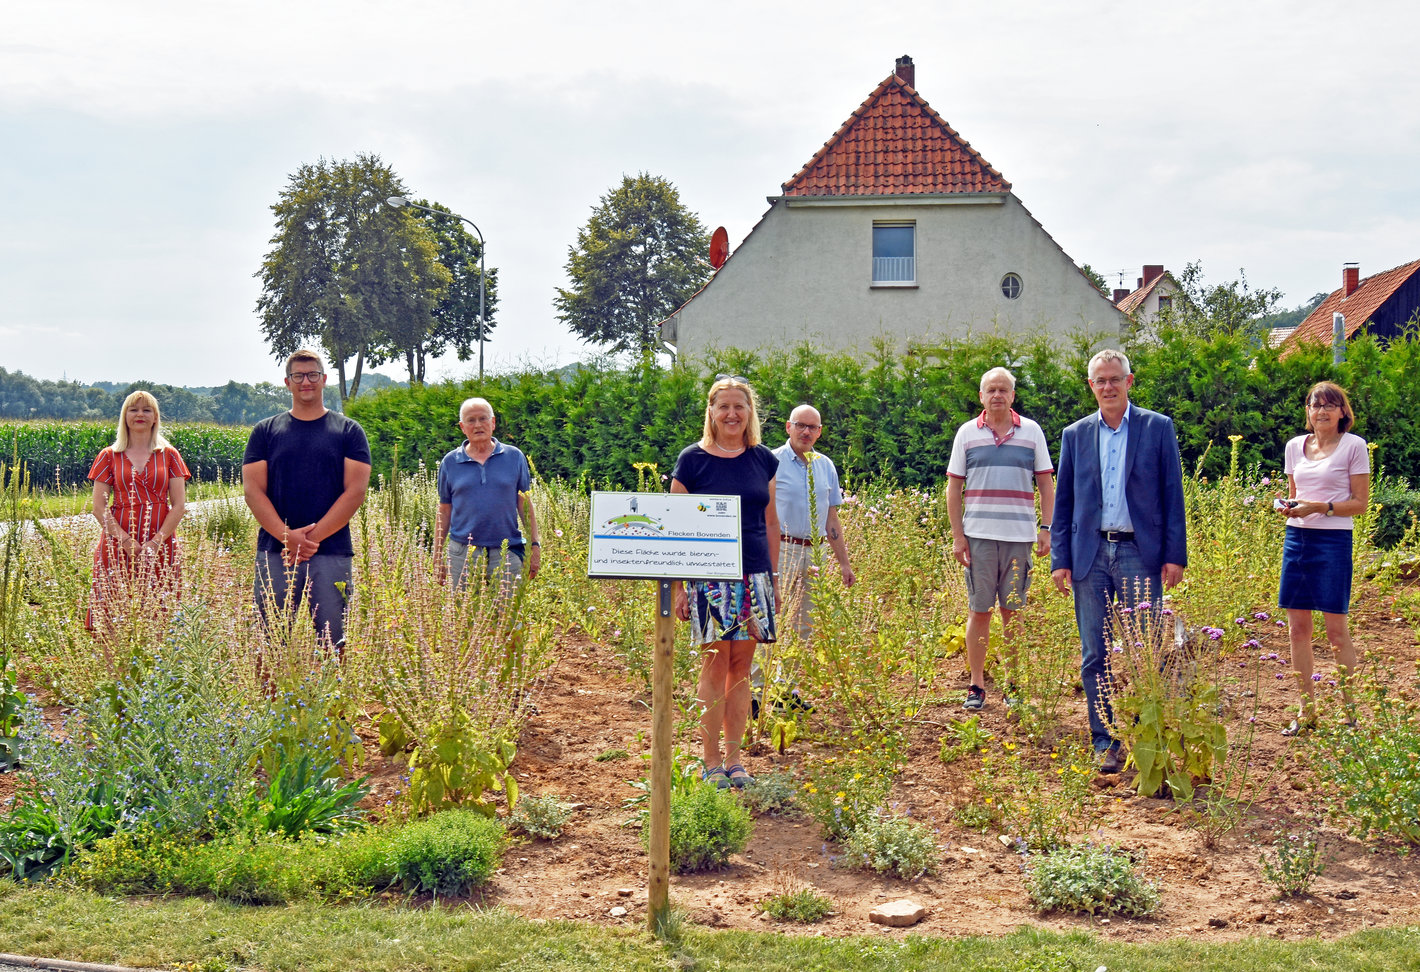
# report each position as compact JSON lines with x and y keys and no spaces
{"x":590,"y":706}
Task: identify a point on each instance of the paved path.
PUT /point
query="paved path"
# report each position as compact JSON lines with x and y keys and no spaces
{"x":15,"y":963}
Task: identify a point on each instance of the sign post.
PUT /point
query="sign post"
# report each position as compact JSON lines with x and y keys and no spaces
{"x":663,"y":537}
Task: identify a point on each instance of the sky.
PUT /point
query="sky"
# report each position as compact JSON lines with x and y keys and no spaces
{"x":143,"y":143}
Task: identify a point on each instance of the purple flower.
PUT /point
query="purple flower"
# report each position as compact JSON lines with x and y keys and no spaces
{"x":1279,"y":675}
{"x":1316,"y":678}
{"x":1262,"y":616}
{"x":1239,"y":620}
{"x":1144,"y":605}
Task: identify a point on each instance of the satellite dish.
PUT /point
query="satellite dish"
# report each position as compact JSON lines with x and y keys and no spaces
{"x":719,"y":248}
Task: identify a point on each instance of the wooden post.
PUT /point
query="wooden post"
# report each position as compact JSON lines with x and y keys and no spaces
{"x":658,"y":886}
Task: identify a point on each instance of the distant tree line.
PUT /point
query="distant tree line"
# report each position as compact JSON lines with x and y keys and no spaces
{"x":235,"y":403}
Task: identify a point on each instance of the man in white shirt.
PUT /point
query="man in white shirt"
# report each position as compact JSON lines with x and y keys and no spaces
{"x":998,"y":461}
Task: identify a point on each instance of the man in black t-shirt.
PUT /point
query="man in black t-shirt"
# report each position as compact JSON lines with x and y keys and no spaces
{"x":304,"y":475}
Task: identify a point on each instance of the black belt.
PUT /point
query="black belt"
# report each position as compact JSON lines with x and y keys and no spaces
{"x":1117,"y":536}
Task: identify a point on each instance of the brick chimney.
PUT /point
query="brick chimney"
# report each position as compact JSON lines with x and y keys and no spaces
{"x":1120,"y":293}
{"x":906,"y":73}
{"x":1350,"y":278}
{"x":1152,"y":272}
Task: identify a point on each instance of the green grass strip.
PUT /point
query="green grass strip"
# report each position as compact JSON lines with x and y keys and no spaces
{"x":209,"y":936}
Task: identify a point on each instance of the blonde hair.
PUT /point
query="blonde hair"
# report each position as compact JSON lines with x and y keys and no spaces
{"x":120,"y":441}
{"x":723,"y":383}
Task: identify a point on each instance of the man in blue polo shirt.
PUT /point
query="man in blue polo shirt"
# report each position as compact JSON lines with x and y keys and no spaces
{"x":483,"y":488}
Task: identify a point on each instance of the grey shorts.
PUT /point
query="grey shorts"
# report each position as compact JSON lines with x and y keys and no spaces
{"x":489,"y":560}
{"x":999,"y":571}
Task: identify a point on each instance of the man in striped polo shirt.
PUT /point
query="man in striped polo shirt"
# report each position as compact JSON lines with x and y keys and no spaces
{"x":998,"y":461}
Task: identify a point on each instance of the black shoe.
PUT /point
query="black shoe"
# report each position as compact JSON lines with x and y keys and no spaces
{"x":1112,"y":763}
{"x":975,"y":699}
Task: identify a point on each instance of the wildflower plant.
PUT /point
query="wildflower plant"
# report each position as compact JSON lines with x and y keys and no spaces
{"x":1370,"y":769}
{"x":541,"y":817}
{"x":455,"y":670}
{"x":1297,"y":860}
{"x":890,"y":844}
{"x":1166,"y":697}
{"x":1037,"y":808}
{"x":1091,"y":879}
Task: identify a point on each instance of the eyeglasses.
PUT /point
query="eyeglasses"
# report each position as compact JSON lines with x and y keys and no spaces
{"x":476,"y":420}
{"x":805,"y":427}
{"x":1323,"y":406}
{"x":306,"y":376}
{"x":1112,"y":382}
{"x":726,"y":377}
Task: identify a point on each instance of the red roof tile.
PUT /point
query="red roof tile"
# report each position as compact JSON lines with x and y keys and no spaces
{"x":1364,"y":301}
{"x":895,"y":144}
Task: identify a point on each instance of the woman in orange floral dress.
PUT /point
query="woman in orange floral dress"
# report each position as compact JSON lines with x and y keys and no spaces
{"x":147,"y":480}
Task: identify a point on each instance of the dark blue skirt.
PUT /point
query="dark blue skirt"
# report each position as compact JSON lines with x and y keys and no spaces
{"x":1316,"y":571}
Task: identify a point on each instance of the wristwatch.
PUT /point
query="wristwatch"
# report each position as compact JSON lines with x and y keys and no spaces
{"x":1330,"y":509}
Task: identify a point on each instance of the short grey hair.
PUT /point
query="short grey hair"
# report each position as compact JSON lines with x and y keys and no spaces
{"x":1110,"y":354}
{"x":471,"y":402}
{"x":997,"y":372}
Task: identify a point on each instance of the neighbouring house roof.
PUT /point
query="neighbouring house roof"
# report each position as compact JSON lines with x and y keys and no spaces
{"x":1365,"y":300}
{"x":895,"y":144}
{"x":1135,"y":300}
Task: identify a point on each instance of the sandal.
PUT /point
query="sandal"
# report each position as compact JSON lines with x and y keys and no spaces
{"x":738,"y":776}
{"x":1299,"y":728}
{"x":716,"y":775}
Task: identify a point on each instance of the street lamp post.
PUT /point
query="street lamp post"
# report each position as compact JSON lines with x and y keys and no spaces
{"x":399,"y":202}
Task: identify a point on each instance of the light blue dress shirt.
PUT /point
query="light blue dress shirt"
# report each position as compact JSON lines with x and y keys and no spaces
{"x":1113,"y":444}
{"x":791,"y":492}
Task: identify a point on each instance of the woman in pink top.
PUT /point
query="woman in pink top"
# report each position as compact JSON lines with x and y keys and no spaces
{"x":1328,"y":482}
{"x":147,"y":481}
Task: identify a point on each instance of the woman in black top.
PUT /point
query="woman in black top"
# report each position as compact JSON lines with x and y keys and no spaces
{"x":728,"y":618}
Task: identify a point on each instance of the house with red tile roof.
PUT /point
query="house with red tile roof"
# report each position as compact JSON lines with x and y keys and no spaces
{"x":896,"y":228}
{"x":1156,"y":291}
{"x":1381,"y":305}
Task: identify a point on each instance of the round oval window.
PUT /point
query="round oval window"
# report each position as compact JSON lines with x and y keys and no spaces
{"x":1011,"y":286}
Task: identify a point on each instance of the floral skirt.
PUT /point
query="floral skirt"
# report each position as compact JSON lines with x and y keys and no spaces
{"x":732,"y":610}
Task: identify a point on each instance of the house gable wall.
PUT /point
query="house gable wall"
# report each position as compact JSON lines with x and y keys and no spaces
{"x":805,"y":274}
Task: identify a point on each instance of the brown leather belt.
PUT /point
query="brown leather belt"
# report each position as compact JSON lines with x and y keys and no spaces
{"x":796,"y":541}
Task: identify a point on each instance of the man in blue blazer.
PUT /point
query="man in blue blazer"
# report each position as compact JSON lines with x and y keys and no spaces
{"x":1118,"y":533}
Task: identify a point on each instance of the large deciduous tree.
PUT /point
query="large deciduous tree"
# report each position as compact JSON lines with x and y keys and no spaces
{"x":346,"y":270}
{"x":455,"y":316}
{"x":640,"y":256}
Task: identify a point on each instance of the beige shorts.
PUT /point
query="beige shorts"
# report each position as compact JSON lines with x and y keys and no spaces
{"x":999,"y":572}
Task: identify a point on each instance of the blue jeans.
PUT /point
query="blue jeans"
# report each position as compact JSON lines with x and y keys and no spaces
{"x":1118,"y":574}
{"x":324,"y":582}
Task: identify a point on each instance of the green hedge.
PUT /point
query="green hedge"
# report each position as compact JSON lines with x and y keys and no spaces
{"x":887,"y":415}
{"x":61,"y":453}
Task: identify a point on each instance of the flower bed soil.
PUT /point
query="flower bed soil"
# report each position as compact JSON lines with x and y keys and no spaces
{"x":590,"y":706}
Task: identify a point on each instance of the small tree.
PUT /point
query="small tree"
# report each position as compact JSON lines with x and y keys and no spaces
{"x":1209,"y":310}
{"x":640,"y":256}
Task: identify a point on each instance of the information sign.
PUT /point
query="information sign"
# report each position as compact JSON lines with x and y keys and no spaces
{"x":665,"y":535}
